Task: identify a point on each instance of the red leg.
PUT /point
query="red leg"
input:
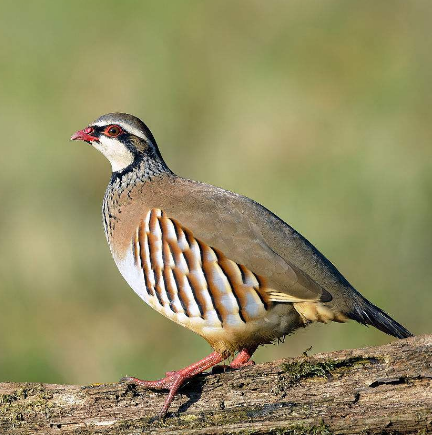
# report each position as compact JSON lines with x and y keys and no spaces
{"x":174,"y":380}
{"x":243,"y":358}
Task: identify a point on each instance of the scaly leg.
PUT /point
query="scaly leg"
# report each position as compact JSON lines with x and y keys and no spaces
{"x":174,"y":380}
{"x":243,"y":358}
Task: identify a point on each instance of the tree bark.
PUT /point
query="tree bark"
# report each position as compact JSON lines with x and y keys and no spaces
{"x":378,"y":390}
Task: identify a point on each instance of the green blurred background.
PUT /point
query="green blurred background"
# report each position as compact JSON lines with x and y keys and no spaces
{"x":321,"y":111}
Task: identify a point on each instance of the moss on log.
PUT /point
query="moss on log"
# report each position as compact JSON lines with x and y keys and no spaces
{"x":378,"y":390}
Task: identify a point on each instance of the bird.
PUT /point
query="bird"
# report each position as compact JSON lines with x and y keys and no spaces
{"x":211,"y":260}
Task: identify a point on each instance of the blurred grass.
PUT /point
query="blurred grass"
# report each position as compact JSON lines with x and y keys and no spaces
{"x":318,"y":110}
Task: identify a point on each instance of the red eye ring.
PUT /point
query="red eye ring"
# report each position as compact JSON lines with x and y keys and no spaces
{"x":113,"y":130}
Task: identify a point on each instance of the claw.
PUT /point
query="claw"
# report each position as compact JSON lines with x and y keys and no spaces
{"x":174,"y":380}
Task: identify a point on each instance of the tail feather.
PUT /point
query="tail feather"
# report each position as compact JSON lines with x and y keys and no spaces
{"x":368,"y":314}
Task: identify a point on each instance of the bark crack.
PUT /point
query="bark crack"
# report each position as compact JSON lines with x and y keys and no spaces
{"x":386,"y":389}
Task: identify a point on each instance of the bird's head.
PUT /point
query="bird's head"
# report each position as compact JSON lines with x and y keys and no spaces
{"x":122,"y":138}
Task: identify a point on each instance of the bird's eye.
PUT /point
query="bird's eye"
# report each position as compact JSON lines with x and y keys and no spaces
{"x":113,"y":130}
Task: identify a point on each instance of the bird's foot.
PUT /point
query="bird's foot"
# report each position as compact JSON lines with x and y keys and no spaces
{"x":243,"y":359}
{"x":161,"y":384}
{"x":239,"y":365}
{"x":174,"y":380}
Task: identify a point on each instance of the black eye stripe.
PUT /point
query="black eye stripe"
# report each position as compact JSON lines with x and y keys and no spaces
{"x":99,"y":130}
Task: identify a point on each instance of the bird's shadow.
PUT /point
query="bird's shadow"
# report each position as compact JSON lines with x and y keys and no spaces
{"x":193,"y":391}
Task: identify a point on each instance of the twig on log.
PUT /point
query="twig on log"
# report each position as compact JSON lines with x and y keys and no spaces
{"x":380,"y":390}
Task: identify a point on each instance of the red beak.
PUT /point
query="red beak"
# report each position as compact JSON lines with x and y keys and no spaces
{"x":84,"y":135}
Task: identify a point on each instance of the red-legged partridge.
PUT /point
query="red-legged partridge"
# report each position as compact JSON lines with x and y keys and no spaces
{"x":213,"y":261}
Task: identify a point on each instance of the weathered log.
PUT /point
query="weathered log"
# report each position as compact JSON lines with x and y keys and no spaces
{"x":378,"y":390}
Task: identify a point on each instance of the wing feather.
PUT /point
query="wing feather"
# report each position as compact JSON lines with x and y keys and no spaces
{"x":208,"y":269}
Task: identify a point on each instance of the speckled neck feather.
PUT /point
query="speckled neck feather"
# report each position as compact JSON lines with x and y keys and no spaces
{"x":141,"y":171}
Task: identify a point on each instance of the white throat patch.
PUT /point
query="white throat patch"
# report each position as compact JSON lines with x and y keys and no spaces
{"x":117,"y":153}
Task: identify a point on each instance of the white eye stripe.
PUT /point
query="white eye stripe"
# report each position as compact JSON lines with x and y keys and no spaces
{"x":126,"y":127}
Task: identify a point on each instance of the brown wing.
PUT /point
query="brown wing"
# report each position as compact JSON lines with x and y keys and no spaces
{"x":240,"y":229}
